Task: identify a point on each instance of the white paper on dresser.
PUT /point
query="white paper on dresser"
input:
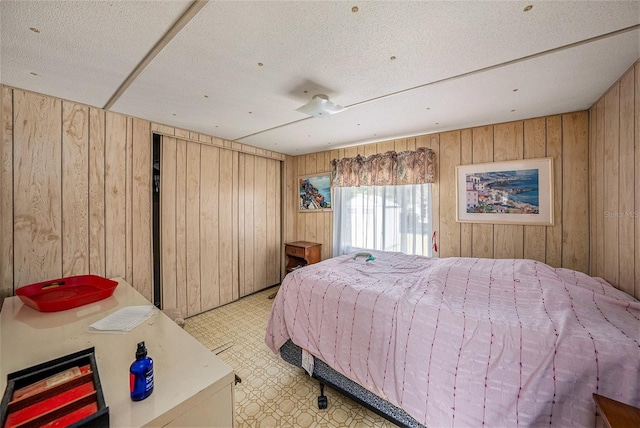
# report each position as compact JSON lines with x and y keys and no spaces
{"x":123,"y":320}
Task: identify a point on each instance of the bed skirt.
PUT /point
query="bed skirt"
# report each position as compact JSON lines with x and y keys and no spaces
{"x":292,"y":353}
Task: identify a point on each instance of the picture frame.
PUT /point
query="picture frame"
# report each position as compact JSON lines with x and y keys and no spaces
{"x":315,"y":192}
{"x":510,"y":192}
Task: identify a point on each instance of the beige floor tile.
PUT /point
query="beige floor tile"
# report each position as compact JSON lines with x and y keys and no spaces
{"x":272,"y":393}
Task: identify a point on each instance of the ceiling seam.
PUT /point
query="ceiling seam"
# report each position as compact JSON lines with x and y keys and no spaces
{"x":469,"y":73}
{"x":182,"y":22}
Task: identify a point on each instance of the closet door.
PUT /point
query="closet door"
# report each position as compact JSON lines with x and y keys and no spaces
{"x":220,"y":232}
{"x":198,"y":230}
{"x":259,"y":209}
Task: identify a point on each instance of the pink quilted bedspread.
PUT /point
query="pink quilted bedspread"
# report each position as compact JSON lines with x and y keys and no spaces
{"x":466,"y":342}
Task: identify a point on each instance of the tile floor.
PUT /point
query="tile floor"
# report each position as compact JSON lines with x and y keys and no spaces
{"x":272,"y":393}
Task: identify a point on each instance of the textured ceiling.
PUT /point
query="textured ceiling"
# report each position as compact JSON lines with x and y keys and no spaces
{"x":456,"y":64}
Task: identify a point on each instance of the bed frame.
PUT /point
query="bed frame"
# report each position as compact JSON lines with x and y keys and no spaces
{"x":292,"y":353}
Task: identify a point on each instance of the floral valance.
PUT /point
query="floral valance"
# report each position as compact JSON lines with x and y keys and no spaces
{"x":385,"y":169}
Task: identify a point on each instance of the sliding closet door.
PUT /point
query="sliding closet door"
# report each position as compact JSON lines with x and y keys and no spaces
{"x":220,"y":214}
{"x":198,"y":248}
{"x":259,"y":227}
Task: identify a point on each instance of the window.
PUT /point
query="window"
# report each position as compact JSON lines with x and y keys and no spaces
{"x":388,"y":218}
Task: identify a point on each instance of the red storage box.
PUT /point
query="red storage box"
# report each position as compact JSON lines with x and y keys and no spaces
{"x":66,"y":293}
{"x":49,"y":398}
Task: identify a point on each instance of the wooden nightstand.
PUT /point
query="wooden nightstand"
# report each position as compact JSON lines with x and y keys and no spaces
{"x":616,"y":414}
{"x":302,"y":253}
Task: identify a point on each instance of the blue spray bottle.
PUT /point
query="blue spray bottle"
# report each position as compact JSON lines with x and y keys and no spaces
{"x":141,"y":375}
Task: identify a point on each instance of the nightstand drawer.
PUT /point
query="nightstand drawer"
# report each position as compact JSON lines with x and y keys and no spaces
{"x":290,"y":250}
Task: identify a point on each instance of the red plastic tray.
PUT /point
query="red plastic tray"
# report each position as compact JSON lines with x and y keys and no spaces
{"x":66,"y":293}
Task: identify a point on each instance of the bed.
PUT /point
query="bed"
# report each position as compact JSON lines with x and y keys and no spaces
{"x":462,"y":341}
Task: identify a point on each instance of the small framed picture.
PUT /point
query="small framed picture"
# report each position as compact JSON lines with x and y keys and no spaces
{"x":513,"y":192}
{"x":315,"y":192}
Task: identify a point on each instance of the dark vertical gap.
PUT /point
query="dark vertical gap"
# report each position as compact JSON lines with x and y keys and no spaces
{"x":155,"y":191}
{"x":62,"y":201}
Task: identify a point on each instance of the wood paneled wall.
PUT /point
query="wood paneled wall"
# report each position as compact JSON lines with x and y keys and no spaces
{"x":75,"y":192}
{"x":614,"y":184}
{"x":562,"y":137}
{"x":75,"y":198}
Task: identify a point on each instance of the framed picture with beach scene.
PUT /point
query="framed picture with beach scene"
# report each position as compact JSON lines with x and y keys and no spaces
{"x":315,"y":192}
{"x":512,"y":192}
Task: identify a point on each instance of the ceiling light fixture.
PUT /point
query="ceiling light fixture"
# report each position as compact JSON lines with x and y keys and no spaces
{"x":320,"y":106}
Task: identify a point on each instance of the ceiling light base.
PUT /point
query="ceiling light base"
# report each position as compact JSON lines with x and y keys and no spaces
{"x":320,"y":106}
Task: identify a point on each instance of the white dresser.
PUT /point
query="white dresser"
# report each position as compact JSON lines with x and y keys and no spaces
{"x":193,"y":387}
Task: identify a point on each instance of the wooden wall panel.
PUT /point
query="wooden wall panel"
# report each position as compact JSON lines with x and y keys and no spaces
{"x":208,"y":237}
{"x":182,"y":300}
{"x":449,"y":228}
{"x":277,"y":243}
{"x":75,"y":189}
{"x":235,"y":229}
{"x":466,"y":157}
{"x":260,"y":224}
{"x":115,"y":172}
{"x":575,"y":191}
{"x":383,"y":147}
{"x":593,"y":243}
{"x":482,"y":234}
{"x":37,"y":187}
{"x":193,"y":229}
{"x":615,"y":184}
{"x":243,"y":254}
{"x":128,"y":209}
{"x":508,"y":240}
{"x":611,"y":183}
{"x":226,"y":237}
{"x":535,"y":147}
{"x":270,"y":196}
{"x":6,"y":193}
{"x":97,"y":238}
{"x":247,"y":231}
{"x":626,"y":207}
{"x":141,"y":237}
{"x":636,"y":212}
{"x":599,"y":186}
